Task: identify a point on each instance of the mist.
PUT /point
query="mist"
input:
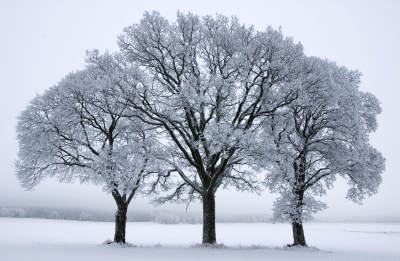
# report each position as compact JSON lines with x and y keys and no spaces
{"x":44,"y":40}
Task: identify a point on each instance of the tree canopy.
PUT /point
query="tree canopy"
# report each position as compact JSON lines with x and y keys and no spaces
{"x":203,"y":103}
{"x":322,"y":134}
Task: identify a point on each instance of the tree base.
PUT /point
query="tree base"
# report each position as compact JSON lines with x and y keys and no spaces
{"x":209,"y":245}
{"x":296,"y":245}
{"x":117,"y":244}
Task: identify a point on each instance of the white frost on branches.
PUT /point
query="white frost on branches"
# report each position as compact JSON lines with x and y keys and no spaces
{"x":322,"y":134}
{"x":203,"y":103}
{"x":206,"y":85}
{"x":80,"y":129}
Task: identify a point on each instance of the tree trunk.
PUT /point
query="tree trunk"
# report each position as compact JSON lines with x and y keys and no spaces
{"x":209,"y":236}
{"x":120,"y":223}
{"x":297,"y":224}
{"x":298,"y":234}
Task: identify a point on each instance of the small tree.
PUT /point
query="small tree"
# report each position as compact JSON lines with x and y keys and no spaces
{"x":322,"y":134}
{"x":78,"y":129}
{"x":207,"y":85}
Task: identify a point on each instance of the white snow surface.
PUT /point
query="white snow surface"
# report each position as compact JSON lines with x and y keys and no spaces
{"x":39,"y":239}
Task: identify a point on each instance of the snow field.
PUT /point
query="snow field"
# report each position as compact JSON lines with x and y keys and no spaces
{"x":39,"y":239}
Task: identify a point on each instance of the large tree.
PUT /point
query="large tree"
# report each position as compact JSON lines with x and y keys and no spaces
{"x":78,"y":129}
{"x":322,"y":134}
{"x":207,"y":84}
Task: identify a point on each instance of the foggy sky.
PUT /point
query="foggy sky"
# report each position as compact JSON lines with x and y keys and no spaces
{"x":42,"y":41}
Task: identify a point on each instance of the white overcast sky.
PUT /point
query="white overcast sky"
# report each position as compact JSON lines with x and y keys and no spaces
{"x":41,"y":41}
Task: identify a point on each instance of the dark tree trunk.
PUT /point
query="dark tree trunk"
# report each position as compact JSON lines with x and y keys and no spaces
{"x":209,"y":236}
{"x":297,"y":224}
{"x":298,"y":234}
{"x":120,"y":223}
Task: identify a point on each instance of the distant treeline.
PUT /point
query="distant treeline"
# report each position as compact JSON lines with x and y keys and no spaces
{"x":162,"y":216}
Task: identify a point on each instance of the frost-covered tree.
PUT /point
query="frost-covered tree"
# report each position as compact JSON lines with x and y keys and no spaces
{"x":79,"y":129}
{"x":322,"y":134}
{"x":207,"y":84}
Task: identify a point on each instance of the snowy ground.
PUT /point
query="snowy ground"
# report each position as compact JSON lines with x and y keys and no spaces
{"x":38,"y":239}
